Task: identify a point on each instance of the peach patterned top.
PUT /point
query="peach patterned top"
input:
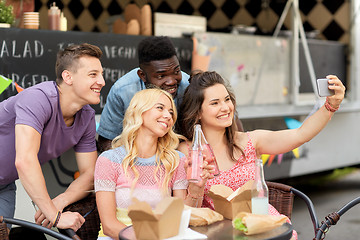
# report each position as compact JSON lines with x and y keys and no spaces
{"x":241,"y":172}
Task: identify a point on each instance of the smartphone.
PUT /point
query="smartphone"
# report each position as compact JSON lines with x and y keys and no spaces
{"x":323,"y":87}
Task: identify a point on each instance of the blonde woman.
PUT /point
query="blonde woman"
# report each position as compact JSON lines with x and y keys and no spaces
{"x":142,"y":163}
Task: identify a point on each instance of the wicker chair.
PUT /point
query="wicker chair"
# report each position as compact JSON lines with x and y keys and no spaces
{"x":88,"y":231}
{"x":70,"y":234}
{"x":281,"y":196}
{"x":87,"y":208}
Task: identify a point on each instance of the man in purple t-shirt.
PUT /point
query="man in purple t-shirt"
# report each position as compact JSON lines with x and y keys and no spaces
{"x":41,"y":123}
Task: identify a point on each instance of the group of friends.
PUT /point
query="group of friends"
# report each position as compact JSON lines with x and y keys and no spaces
{"x":144,"y":135}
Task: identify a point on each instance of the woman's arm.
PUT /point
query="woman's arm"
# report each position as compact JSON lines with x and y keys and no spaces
{"x":106,"y":205}
{"x":193,"y":196}
{"x":275,"y":142}
{"x":191,"y":200}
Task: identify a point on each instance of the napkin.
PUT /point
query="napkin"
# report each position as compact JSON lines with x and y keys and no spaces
{"x":187,"y":235}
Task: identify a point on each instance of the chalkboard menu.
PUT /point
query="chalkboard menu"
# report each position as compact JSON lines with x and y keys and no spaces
{"x":28,"y":56}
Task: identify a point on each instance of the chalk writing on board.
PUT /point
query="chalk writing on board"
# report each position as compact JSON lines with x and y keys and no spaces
{"x":113,"y":74}
{"x":28,"y":57}
{"x":112,"y":52}
{"x":27,"y":80}
{"x":29,"y":49}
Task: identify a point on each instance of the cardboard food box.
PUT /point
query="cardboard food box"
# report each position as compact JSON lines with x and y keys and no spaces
{"x":229,"y":203}
{"x":163,"y":222}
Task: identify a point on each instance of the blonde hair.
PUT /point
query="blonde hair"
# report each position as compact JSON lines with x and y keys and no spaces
{"x":165,"y":151}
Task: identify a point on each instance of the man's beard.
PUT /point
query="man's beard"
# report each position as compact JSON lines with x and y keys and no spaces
{"x":150,"y":85}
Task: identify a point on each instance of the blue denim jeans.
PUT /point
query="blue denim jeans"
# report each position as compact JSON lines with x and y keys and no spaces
{"x":7,"y":200}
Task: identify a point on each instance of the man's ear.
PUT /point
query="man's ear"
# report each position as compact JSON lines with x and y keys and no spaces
{"x":141,"y":75}
{"x":67,"y":78}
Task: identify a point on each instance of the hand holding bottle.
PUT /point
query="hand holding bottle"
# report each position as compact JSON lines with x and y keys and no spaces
{"x":207,"y":172}
{"x":200,"y":151}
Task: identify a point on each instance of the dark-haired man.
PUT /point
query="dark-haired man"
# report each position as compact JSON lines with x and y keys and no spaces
{"x":158,"y":66}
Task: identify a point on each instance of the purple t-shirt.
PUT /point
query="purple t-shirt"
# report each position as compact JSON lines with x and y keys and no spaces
{"x":39,"y":107}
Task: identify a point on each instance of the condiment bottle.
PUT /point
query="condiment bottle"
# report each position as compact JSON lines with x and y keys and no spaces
{"x":63,"y":22}
{"x":259,"y":191}
{"x":208,"y":153}
{"x":54,"y":17}
{"x":196,"y":158}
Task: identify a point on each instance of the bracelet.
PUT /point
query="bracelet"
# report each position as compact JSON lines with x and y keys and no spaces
{"x":194,"y":198}
{"x":329,"y":107}
{"x":56,"y":221}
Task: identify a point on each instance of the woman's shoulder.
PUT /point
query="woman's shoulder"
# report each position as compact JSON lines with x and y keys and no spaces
{"x":184,"y":147}
{"x":242,"y":138}
{"x":181,"y":154}
{"x":114,"y":154}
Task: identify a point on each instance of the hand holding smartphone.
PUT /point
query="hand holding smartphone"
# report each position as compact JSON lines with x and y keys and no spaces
{"x":323,"y":87}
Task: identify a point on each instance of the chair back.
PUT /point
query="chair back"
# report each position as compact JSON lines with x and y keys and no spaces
{"x":281,"y":197}
{"x":90,"y":229}
{"x":3,"y":230}
{"x":31,"y":227}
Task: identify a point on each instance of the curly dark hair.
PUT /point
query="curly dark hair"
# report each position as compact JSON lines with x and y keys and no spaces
{"x":155,"y":48}
{"x":190,"y":108}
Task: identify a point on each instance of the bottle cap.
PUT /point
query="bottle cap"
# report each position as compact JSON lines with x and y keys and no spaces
{"x":54,"y":9}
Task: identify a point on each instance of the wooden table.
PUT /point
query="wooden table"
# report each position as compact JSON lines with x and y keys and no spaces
{"x":224,"y":230}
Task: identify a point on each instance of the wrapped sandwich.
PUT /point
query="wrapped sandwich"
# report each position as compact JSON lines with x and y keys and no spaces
{"x":203,"y":216}
{"x":250,"y":224}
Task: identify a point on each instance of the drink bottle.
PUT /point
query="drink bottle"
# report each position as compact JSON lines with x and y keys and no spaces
{"x":208,"y":153}
{"x":259,"y":191}
{"x":200,"y":150}
{"x":195,"y":157}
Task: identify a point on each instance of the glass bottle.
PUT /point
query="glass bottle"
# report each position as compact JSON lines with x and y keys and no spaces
{"x":200,"y":151}
{"x":196,"y":158}
{"x":259,"y":191}
{"x":208,"y":153}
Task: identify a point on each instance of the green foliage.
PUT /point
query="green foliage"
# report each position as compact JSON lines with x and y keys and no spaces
{"x":6,"y":13}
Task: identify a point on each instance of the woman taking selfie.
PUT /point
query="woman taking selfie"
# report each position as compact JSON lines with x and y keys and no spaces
{"x":208,"y":101}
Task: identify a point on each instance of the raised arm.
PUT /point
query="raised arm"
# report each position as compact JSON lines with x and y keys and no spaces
{"x":275,"y":142}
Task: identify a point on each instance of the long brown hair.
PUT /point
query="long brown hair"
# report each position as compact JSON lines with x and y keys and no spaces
{"x":191,"y":107}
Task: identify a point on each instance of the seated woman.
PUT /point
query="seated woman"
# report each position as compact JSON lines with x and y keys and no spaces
{"x":142,"y":163}
{"x":209,"y":102}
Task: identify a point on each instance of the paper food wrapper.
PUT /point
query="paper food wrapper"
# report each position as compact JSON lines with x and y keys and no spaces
{"x":203,"y":216}
{"x":228,"y":202}
{"x":163,"y":222}
{"x":256,"y":223}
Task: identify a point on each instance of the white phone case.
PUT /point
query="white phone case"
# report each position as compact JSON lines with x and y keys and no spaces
{"x":323,"y":87}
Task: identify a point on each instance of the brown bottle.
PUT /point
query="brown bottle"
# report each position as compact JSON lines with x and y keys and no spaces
{"x":54,"y":17}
